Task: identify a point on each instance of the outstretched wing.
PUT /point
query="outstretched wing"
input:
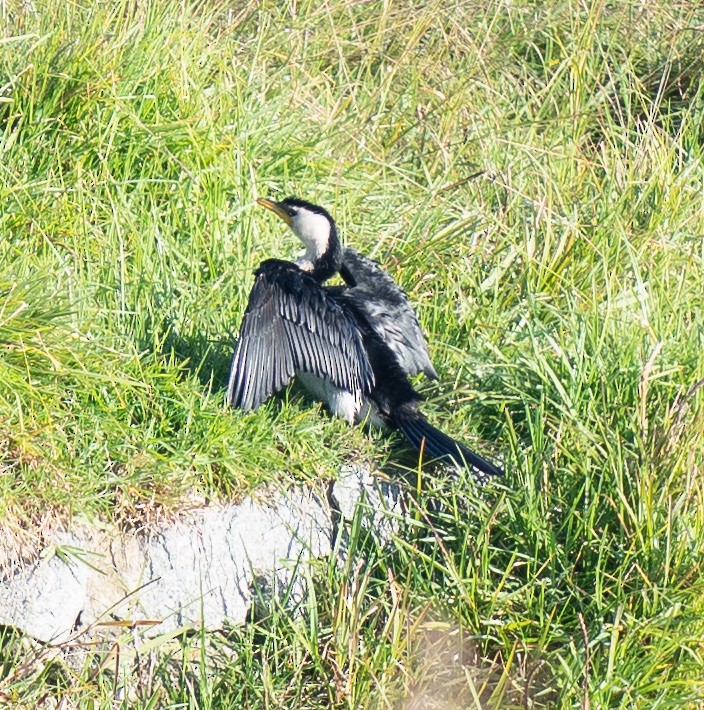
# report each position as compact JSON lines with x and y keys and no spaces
{"x":293,"y":325}
{"x":388,"y":310}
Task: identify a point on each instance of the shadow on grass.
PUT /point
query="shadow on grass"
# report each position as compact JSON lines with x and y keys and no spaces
{"x":196,"y":355}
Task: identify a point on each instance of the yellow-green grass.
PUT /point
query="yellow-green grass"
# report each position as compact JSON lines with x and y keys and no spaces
{"x":530,"y":172}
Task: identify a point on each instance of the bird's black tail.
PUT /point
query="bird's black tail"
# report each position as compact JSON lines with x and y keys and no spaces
{"x":436,"y":445}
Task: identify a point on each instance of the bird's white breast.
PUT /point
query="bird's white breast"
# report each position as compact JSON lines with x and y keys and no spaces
{"x":342,"y":404}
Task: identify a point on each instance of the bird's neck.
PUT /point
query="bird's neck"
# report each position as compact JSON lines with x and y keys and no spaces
{"x":322,"y":260}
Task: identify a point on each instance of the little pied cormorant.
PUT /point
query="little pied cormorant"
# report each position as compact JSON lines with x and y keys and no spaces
{"x":352,"y":346}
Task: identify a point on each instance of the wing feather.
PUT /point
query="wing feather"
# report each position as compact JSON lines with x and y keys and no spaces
{"x":380,"y":298}
{"x":291,"y":325}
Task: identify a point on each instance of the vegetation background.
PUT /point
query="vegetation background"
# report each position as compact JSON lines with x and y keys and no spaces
{"x":530,"y":172}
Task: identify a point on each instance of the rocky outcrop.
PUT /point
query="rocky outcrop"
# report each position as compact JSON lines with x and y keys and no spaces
{"x":206,"y":568}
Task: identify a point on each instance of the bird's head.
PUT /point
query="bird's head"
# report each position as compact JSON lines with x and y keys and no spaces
{"x":315,"y":227}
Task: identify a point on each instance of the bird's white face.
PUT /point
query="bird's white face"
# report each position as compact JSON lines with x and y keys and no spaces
{"x":311,"y":227}
{"x":313,"y":230}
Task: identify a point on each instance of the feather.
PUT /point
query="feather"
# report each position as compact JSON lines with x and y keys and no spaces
{"x":374,"y":293}
{"x":292,"y":324}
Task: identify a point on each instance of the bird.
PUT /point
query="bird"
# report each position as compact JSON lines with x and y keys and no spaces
{"x":353,"y":346}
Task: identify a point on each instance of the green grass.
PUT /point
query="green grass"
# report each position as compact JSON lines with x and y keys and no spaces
{"x":561,"y":290}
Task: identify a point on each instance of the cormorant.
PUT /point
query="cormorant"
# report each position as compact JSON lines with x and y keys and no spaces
{"x":353,"y":346}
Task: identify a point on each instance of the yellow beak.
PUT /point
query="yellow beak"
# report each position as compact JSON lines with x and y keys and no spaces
{"x":276,"y":209}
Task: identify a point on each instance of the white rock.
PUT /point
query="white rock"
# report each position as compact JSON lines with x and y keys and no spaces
{"x":204,"y":569}
{"x":44,"y":598}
